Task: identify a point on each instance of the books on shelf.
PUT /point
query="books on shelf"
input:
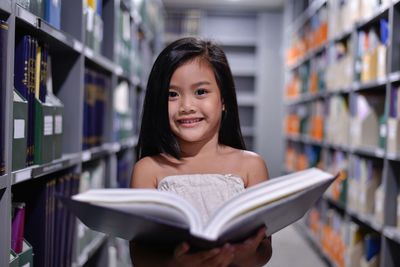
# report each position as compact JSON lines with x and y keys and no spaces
{"x":123,"y":123}
{"x":366,"y":110}
{"x":3,"y":89}
{"x":95,"y":101}
{"x":154,"y":216}
{"x":398,"y":211}
{"x":45,"y":111}
{"x":94,"y":25}
{"x":393,"y":123}
{"x":366,"y":176}
{"x":48,"y":226}
{"x":49,"y":10}
{"x":337,"y":121}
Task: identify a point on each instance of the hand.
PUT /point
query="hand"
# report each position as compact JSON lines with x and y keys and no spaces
{"x":217,"y":257}
{"x":247,"y":251}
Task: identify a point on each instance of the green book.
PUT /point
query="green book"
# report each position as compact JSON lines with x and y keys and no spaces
{"x":25,"y":258}
{"x":13,"y":259}
{"x":58,"y":109}
{"x":44,"y":132}
{"x":20,"y":127}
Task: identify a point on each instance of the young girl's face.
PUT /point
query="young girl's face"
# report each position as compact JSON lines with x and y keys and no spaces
{"x":194,"y":103}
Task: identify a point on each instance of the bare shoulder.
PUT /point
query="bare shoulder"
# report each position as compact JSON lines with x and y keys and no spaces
{"x":144,"y":174}
{"x":256,"y":168}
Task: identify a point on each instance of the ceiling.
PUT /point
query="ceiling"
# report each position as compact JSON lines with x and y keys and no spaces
{"x":229,"y":4}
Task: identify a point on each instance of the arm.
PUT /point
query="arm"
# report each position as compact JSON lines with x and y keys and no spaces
{"x":257,"y":250}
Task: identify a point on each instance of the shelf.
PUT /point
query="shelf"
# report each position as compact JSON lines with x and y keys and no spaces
{"x":306,"y":15}
{"x":90,"y":249}
{"x":368,"y":220}
{"x":5,"y":5}
{"x":342,"y":35}
{"x":66,"y":161}
{"x":393,"y":156}
{"x":311,"y":54}
{"x":101,"y":61}
{"x":305,"y":139}
{"x":335,"y":203}
{"x":339,"y":91}
{"x":302,"y":229}
{"x":368,"y":151}
{"x":342,"y":147}
{"x":394,"y":77}
{"x":26,"y":16}
{"x":246,"y":99}
{"x":60,"y":36}
{"x":380,"y":82}
{"x":308,"y":97}
{"x":378,"y":13}
{"x":392,"y":233}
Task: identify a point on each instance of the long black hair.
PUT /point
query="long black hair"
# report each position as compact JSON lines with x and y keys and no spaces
{"x":155,"y":134}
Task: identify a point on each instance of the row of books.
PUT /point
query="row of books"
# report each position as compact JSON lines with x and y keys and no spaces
{"x":48,"y":10}
{"x":339,"y":69}
{"x":306,"y":120}
{"x":365,"y":177}
{"x":3,"y":87}
{"x":312,"y":35}
{"x":41,"y":223}
{"x":38,"y":113}
{"x":332,"y":69}
{"x":96,"y":88}
{"x":93,"y":176}
{"x":337,"y":161}
{"x":372,"y":52}
{"x":331,"y":20}
{"x":343,"y":15}
{"x":358,"y":120}
{"x":346,"y":243}
{"x":300,"y":157}
{"x":94,"y":24}
{"x":123,"y":117}
{"x":123,"y":42}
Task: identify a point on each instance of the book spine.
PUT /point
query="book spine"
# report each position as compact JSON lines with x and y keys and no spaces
{"x":53,"y":12}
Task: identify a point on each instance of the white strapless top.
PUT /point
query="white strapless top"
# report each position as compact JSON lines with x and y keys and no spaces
{"x":205,"y":191}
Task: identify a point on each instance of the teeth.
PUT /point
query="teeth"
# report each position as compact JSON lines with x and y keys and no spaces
{"x":189,"y":121}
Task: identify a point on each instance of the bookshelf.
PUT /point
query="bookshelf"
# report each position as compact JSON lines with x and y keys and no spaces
{"x":344,"y":55}
{"x":117,"y":41}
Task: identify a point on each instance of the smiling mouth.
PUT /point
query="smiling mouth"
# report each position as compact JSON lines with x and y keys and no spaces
{"x":189,"y":122}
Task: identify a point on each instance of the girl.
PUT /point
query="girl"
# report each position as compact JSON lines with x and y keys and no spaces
{"x":190,"y":143}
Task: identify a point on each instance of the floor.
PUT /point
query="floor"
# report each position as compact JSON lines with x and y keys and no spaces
{"x":290,"y":248}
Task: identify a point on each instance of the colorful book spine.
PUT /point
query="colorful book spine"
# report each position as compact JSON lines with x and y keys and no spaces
{"x":17,"y":227}
{"x":53,"y":12}
{"x":21,"y":76}
{"x":3,"y":87}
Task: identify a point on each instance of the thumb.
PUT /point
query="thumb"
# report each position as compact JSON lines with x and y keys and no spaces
{"x":181,"y":249}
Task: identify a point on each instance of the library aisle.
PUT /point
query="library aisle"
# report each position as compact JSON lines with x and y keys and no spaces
{"x":290,"y":248}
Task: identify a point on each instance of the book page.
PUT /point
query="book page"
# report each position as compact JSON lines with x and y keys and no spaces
{"x":136,"y":200}
{"x":261,"y":195}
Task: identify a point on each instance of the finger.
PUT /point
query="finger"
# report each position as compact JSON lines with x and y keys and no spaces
{"x":224,"y":258}
{"x":205,"y":255}
{"x":181,"y":249}
{"x":254,"y":241}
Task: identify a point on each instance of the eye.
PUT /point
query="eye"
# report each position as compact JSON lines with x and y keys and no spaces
{"x":172,"y":94}
{"x":201,"y":92}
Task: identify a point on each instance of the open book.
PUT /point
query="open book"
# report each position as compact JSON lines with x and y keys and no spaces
{"x":149,"y":215}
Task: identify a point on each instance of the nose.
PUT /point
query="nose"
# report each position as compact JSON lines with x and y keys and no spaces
{"x":187,"y":104}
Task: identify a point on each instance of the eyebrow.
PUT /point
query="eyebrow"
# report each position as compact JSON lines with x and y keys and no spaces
{"x":193,"y":85}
